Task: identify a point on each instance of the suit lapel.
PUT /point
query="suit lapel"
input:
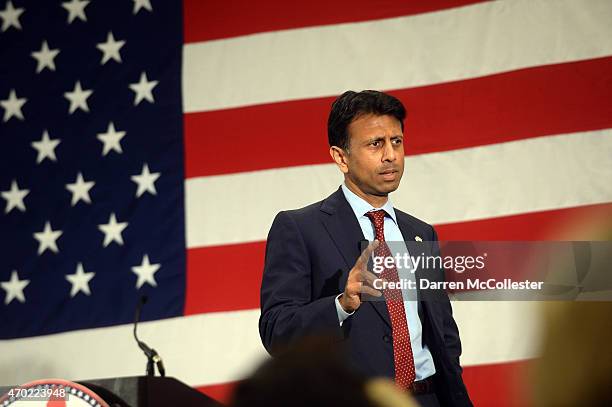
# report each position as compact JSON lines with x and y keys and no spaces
{"x":344,"y":229}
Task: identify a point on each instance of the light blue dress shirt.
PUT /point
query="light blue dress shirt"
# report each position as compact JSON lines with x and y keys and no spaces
{"x":423,"y":362}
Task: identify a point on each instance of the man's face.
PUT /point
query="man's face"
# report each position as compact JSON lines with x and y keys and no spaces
{"x":374,"y":163}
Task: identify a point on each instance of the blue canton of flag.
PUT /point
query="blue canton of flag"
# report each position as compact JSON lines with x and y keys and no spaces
{"x":91,"y":164}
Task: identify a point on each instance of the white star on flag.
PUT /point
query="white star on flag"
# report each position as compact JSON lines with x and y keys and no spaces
{"x":143,"y":89}
{"x":47,"y":239}
{"x":80,"y":190}
{"x":45,"y":147}
{"x":10,"y":16}
{"x":14,"y":197}
{"x":80,"y":281}
{"x":14,"y":288}
{"x":110,"y":49}
{"x":76,"y":9}
{"x":78,"y":98}
{"x":138,"y":4}
{"x":12,"y":106}
{"x":146,"y":272}
{"x":112,"y":231}
{"x":45,"y":57}
{"x":111,"y":139}
{"x":145,"y":181}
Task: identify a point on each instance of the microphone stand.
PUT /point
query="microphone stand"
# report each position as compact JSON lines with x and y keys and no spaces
{"x":153,"y":358}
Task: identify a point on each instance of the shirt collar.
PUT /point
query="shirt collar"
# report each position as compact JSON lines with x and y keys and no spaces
{"x":361,"y":207}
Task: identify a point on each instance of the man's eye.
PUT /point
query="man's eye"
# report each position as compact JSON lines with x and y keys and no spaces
{"x":375,"y":143}
{"x":398,"y":141}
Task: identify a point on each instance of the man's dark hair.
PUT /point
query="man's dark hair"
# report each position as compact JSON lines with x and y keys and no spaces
{"x":351,"y":105}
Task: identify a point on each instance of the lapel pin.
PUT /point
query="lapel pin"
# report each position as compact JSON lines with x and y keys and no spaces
{"x":418,"y":238}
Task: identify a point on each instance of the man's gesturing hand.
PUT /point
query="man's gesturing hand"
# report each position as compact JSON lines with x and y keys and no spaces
{"x":360,"y":281}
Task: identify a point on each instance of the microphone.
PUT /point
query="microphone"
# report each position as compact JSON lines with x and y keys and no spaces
{"x":153,"y":358}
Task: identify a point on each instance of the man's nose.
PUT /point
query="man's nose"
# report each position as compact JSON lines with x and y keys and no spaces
{"x":389,"y":153}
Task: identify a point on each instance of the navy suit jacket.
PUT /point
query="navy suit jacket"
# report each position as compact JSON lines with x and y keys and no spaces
{"x":309,"y":253}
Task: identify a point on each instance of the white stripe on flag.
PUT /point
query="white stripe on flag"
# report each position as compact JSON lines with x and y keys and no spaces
{"x":510,"y":178}
{"x":224,"y":347}
{"x":459,"y":43}
{"x":198,"y":349}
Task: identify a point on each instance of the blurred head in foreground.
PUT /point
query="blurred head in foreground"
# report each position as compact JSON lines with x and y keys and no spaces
{"x":314,"y":373}
{"x":576,"y":364}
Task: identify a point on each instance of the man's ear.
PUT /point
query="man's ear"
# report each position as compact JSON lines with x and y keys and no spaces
{"x":340,"y":158}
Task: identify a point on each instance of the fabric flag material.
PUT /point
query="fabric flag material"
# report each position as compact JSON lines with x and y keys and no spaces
{"x":101,"y":167}
{"x":147,"y":145}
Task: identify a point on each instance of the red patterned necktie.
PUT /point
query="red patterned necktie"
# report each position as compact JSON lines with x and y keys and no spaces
{"x":402,"y":349}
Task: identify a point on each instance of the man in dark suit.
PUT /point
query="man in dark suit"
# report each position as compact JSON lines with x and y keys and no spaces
{"x":316,"y":281}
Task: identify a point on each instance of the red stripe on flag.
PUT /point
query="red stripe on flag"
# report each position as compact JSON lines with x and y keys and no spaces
{"x":532,"y":102}
{"x":486,"y":384}
{"x":224,"y":278}
{"x":500,"y":385}
{"x":561,"y":224}
{"x":228,"y":278}
{"x":221,"y":392}
{"x":209,"y":20}
{"x":255,"y":138}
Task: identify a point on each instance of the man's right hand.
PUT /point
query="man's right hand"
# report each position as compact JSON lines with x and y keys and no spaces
{"x":360,"y":281}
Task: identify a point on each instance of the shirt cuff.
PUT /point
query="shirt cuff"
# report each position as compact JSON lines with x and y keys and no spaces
{"x":342,"y":314}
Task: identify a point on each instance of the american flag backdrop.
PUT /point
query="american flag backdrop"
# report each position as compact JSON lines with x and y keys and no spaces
{"x":145,"y":147}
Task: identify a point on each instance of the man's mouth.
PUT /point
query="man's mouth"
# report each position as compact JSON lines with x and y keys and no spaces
{"x":388,"y":175}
